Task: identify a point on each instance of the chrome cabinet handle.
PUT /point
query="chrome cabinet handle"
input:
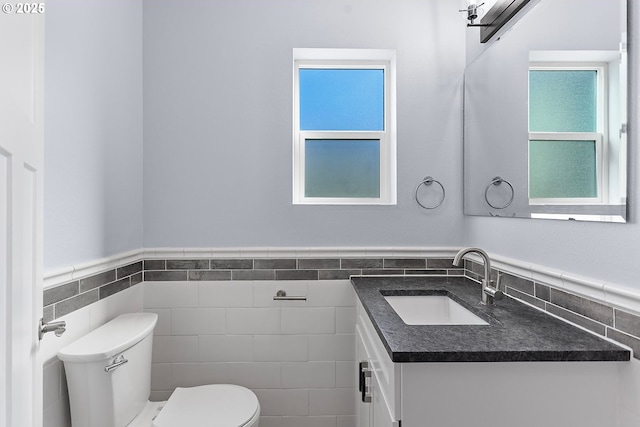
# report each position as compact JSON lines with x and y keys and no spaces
{"x":363,"y":387}
{"x":117,"y":362}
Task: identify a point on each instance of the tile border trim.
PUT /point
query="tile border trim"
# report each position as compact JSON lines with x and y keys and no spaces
{"x":607,"y":310}
{"x":602,"y":292}
{"x":63,"y":275}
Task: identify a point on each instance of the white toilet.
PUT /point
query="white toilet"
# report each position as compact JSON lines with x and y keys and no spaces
{"x":109,"y":373}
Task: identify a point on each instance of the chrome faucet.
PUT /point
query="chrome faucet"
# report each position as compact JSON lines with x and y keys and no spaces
{"x":489,"y":293}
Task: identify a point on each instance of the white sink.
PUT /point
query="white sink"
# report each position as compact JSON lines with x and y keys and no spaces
{"x":431,"y":310}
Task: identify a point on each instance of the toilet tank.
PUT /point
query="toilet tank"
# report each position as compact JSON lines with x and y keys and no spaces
{"x":100,"y":393}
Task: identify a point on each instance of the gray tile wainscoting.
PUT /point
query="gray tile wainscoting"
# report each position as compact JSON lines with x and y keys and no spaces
{"x":596,"y":316}
{"x":74,"y":295}
{"x":71,"y":296}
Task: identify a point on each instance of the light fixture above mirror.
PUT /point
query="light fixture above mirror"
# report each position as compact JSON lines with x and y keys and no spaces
{"x":498,"y":14}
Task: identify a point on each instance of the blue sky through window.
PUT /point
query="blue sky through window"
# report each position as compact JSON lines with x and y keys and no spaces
{"x":341,"y":99}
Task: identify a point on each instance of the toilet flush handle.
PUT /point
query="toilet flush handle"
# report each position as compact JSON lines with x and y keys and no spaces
{"x":117,"y":362}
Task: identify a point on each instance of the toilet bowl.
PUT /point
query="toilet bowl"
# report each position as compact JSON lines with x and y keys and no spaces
{"x":109,"y":372}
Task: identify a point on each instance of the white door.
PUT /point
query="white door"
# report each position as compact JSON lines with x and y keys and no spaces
{"x":21,"y":159}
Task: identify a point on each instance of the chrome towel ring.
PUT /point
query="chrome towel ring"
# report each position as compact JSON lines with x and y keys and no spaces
{"x":429,"y":181}
{"x":497,"y":181}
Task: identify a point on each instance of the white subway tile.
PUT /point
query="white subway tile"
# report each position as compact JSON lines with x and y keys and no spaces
{"x":283,"y":402}
{"x":195,"y":374}
{"x":346,"y":374}
{"x":280,"y":348}
{"x":331,"y":293}
{"x":265,"y":290}
{"x":198,"y":321}
{"x":327,"y":421}
{"x":308,"y":320}
{"x":225,"y":348}
{"x":253,"y":321}
{"x":127,"y":301}
{"x":347,"y":421}
{"x":163,"y":327}
{"x":170,"y":294}
{"x":332,"y":401}
{"x":225,"y":294}
{"x":161,"y":376}
{"x":255,"y":374}
{"x":339,"y":347}
{"x":308,"y":374}
{"x":171,"y":349}
{"x":345,"y":320}
{"x":270,"y":421}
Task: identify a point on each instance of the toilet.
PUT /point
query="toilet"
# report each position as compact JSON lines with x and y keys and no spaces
{"x":109,"y":375}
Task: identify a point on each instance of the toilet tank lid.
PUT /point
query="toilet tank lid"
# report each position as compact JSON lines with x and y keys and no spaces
{"x":110,"y":339}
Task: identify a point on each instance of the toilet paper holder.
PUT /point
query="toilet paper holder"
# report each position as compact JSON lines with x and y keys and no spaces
{"x":282,"y":296}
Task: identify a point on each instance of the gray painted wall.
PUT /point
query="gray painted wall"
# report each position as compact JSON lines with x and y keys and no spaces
{"x":606,"y":252}
{"x":218,"y":121}
{"x":93,"y":130}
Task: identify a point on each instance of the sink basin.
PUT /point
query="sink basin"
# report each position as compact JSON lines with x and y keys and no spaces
{"x":431,"y":310}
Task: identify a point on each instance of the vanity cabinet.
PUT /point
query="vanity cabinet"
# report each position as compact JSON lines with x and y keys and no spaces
{"x":483,"y":394}
{"x":373,"y":409}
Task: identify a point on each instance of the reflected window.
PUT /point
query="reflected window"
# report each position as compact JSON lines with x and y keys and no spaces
{"x":567,"y":112}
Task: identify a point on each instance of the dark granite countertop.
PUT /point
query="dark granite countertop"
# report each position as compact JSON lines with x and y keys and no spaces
{"x":515,"y":333}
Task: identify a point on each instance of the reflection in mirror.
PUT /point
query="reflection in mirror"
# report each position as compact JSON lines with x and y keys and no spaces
{"x":545,"y":116}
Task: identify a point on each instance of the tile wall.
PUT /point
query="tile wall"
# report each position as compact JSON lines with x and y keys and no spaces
{"x":603,"y":319}
{"x":218,"y":323}
{"x":73,"y":295}
{"x":76,"y":294}
{"x":297,"y":356}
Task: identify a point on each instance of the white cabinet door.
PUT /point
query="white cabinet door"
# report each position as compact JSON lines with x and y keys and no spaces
{"x":375,"y":413}
{"x":381,"y":415}
{"x":364,"y":409}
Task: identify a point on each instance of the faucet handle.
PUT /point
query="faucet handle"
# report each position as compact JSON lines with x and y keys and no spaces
{"x":494,"y":293}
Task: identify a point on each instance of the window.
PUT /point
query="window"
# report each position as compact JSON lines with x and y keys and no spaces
{"x":567,"y":149}
{"x":344,"y":119}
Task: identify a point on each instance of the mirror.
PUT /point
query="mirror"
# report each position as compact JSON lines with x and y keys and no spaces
{"x":545,"y":115}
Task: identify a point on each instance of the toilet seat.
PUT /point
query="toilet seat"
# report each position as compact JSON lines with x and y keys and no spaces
{"x":215,"y":405}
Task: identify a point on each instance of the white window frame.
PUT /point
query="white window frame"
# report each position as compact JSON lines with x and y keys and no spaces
{"x":347,"y":59}
{"x":599,"y":137}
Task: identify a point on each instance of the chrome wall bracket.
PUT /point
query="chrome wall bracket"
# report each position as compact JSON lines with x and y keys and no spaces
{"x":56,"y":327}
